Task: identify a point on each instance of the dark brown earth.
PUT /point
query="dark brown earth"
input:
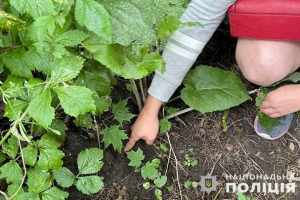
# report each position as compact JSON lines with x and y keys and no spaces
{"x":237,"y":151}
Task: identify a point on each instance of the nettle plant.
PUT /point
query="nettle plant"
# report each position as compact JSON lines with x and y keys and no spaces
{"x":60,"y":58}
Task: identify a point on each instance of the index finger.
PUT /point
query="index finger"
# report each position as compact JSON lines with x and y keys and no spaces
{"x":130,"y":144}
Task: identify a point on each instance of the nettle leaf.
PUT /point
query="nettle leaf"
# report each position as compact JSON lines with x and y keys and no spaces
{"x":15,"y":61}
{"x":29,"y":196}
{"x":75,"y":100}
{"x":54,"y":194}
{"x":40,"y":109}
{"x":35,"y":8}
{"x":160,"y":181}
{"x":71,"y":38}
{"x":12,"y":172}
{"x":94,"y":17}
{"x":94,"y":81}
{"x":170,"y":7}
{"x":38,"y":180}
{"x":132,"y":20}
{"x":34,"y":87}
{"x":10,"y":22}
{"x":121,"y":111}
{"x":150,"y":171}
{"x":65,"y":69}
{"x":135,"y":157}
{"x":2,"y":157}
{"x":64,"y":177}
{"x":89,"y":184}
{"x":43,"y":27}
{"x":30,"y":155}
{"x":84,"y":121}
{"x":50,"y":157}
{"x":114,"y":136}
{"x":102,"y":103}
{"x":11,"y":147}
{"x":89,"y":161}
{"x":133,"y":61}
{"x":60,"y":126}
{"x":48,"y":142}
{"x":209,"y":89}
{"x":12,"y":189}
{"x":14,"y":108}
{"x":165,"y":126}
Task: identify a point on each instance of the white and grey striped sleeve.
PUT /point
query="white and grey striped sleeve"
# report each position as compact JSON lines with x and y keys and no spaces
{"x":186,"y":44}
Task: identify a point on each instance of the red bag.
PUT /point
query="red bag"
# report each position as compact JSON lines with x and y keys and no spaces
{"x":265,"y":19}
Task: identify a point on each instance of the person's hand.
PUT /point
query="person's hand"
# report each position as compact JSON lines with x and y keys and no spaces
{"x":146,"y":126}
{"x":282,"y":101}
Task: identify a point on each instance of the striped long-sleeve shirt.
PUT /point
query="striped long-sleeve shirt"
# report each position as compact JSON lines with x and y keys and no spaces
{"x":186,"y":44}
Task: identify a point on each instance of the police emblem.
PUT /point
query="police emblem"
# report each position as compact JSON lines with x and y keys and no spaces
{"x":208,"y":183}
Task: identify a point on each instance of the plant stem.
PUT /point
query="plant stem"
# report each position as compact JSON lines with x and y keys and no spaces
{"x":142,"y":90}
{"x":179,"y":113}
{"x":25,"y":171}
{"x":136,"y":93}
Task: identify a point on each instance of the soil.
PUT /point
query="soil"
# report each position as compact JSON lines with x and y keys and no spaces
{"x":237,"y":151}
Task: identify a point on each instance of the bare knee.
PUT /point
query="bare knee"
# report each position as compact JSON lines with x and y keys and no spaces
{"x":265,"y":62}
{"x":261,"y":72}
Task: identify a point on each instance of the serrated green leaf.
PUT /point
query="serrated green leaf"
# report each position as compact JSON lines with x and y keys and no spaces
{"x":94,"y":17}
{"x":209,"y":89}
{"x":165,"y":126}
{"x":13,"y":109}
{"x":114,"y":136}
{"x":89,"y":161}
{"x":160,"y":181}
{"x":50,"y":159}
{"x":44,"y":26}
{"x":133,"y":61}
{"x":150,"y":171}
{"x":89,"y":184}
{"x":30,"y":155}
{"x":34,"y":87}
{"x":84,"y":121}
{"x":41,"y":62}
{"x":40,"y":109}
{"x":65,"y":69}
{"x":15,"y":61}
{"x":121,"y":111}
{"x":170,"y":7}
{"x":171,"y":110}
{"x":12,"y":87}
{"x":12,"y":172}
{"x":54,"y":194}
{"x":132,"y":20}
{"x":11,"y":147}
{"x":35,"y":8}
{"x":2,"y":157}
{"x":94,"y":81}
{"x":12,"y":189}
{"x":29,"y":196}
{"x":60,"y":126}
{"x":71,"y":38}
{"x":75,"y":100}
{"x":102,"y":103}
{"x":135,"y":157}
{"x":64,"y":177}
{"x":266,"y":121}
{"x":48,"y":142}
{"x":10,"y":22}
{"x":38,"y":180}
